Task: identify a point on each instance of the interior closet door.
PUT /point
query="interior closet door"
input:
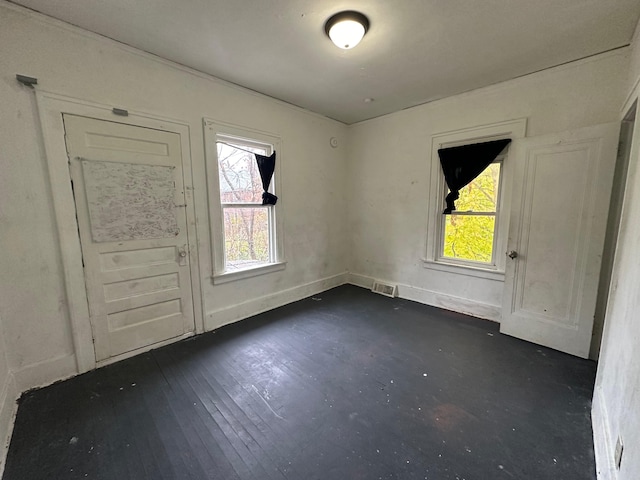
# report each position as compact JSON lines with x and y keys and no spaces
{"x":561,"y":197}
{"x":129,"y":196}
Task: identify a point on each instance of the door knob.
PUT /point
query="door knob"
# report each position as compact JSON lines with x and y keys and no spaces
{"x":182,"y":256}
{"x":512,"y":254}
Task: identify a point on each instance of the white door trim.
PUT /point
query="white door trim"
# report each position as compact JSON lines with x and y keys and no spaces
{"x":50,"y":108}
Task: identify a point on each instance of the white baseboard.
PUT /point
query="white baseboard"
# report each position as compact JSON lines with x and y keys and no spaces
{"x":227,"y":315}
{"x":361,"y":280}
{"x":602,"y":440}
{"x":8,"y":409}
{"x":45,"y":373}
{"x":436,"y":299}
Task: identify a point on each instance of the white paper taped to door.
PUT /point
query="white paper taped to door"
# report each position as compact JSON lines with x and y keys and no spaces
{"x":129,"y":201}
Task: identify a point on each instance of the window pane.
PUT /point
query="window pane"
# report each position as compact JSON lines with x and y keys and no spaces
{"x":239,"y":175}
{"x":481,"y":195}
{"x":246,"y":237}
{"x":469,"y":237}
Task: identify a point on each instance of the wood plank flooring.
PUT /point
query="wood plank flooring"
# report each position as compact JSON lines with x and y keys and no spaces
{"x":344,"y":385}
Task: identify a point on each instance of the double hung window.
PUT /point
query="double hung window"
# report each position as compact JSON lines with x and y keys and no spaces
{"x":246,"y":233}
{"x":469,"y":233}
{"x":247,"y":223}
{"x":471,"y":239}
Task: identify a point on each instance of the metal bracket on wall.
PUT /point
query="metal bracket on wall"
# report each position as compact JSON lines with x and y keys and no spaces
{"x":27,"y":81}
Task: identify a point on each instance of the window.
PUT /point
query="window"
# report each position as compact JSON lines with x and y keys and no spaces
{"x":472,"y":239}
{"x":245,"y":232}
{"x":247,"y":223}
{"x":469,"y":233}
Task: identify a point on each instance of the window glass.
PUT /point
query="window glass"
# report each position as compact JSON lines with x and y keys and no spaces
{"x":248,"y":225}
{"x":246,"y":237}
{"x":469,"y":237}
{"x":239,"y":177}
{"x":469,"y":231}
{"x":481,"y":195}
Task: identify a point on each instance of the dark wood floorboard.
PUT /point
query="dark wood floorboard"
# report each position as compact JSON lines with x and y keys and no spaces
{"x":343,"y":385}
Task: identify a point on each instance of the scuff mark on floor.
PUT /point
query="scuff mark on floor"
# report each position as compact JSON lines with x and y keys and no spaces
{"x":266,"y":403}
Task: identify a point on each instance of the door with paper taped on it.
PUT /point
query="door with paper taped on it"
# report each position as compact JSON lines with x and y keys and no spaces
{"x":129,"y":195}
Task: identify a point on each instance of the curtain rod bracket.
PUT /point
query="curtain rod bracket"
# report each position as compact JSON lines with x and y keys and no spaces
{"x":27,"y":81}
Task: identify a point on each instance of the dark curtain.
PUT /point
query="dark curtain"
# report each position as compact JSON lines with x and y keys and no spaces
{"x":462,"y":164}
{"x":266,"y":166}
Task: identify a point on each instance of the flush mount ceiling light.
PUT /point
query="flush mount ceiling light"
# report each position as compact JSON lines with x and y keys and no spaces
{"x":346,"y":29}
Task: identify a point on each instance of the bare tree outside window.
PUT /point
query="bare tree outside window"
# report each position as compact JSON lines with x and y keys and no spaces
{"x":246,"y":220}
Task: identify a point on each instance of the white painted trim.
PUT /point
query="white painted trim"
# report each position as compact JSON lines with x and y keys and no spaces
{"x":224,"y":316}
{"x":45,"y":19}
{"x":51,"y":107}
{"x":436,"y":299}
{"x":631,"y":97}
{"x":450,"y":302}
{"x":634,"y":91}
{"x":513,"y":129}
{"x":480,"y":272}
{"x":213,"y":128}
{"x":8,"y":409}
{"x":248,"y":273}
{"x":602,"y":441}
{"x":44,"y":373}
{"x":362,"y":280}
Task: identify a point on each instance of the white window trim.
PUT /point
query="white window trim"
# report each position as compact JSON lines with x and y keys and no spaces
{"x":513,"y":129}
{"x":212,"y":129}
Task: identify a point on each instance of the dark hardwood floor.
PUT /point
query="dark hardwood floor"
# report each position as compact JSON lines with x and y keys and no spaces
{"x":344,"y":385}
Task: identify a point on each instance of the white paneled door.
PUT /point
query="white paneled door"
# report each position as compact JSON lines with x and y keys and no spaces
{"x":129,"y":196}
{"x":561,"y":196}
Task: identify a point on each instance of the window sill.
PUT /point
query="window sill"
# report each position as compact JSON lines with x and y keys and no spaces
{"x":472,"y":271}
{"x":227,"y":277}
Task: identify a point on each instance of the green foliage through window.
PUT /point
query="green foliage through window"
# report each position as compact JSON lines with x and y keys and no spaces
{"x":470,"y":230}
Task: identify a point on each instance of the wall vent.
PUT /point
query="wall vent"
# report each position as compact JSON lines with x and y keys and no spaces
{"x":384,"y":289}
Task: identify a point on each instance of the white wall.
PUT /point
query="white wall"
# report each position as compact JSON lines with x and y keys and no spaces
{"x":389,"y":162}
{"x":8,"y":404}
{"x":384,"y":186}
{"x":74,"y":63}
{"x":616,"y":411}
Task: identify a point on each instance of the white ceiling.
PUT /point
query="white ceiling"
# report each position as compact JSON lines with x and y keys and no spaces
{"x":415,"y":51}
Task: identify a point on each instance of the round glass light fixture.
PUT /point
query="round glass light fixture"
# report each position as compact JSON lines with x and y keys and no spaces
{"x":346,"y":29}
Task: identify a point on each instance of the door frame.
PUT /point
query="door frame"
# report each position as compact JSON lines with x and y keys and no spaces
{"x":614,"y":220}
{"x":51,"y":107}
